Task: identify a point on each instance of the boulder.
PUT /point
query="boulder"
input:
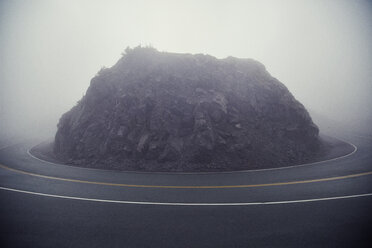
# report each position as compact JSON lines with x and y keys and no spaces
{"x":165,"y":110}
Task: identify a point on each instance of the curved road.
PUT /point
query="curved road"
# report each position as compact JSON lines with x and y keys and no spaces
{"x":325,"y":204}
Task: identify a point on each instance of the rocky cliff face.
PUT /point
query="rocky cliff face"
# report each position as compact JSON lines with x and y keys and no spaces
{"x":180,"y":112}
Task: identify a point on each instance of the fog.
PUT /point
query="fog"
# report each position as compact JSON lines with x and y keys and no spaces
{"x":49,"y":50}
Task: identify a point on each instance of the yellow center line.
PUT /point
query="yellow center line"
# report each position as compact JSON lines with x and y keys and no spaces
{"x":190,"y":187}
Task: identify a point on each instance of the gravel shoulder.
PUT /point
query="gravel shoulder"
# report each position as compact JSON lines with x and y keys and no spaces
{"x":333,"y":147}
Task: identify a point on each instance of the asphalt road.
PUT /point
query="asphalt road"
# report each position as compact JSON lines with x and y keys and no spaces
{"x":325,"y":204}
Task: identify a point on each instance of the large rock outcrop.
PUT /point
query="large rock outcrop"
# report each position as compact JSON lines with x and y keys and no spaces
{"x":181,"y":112}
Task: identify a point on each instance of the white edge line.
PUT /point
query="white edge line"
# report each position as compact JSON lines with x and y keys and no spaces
{"x":184,"y":203}
{"x":206,"y":173}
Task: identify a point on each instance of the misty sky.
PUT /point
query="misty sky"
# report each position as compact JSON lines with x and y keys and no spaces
{"x":49,"y":50}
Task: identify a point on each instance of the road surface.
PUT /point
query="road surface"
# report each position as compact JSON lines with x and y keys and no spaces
{"x":325,"y":204}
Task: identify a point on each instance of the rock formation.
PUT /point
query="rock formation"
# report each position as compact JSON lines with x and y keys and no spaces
{"x":180,"y":112}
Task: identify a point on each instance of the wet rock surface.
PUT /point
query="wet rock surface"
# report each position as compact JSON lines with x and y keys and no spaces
{"x":157,"y":111}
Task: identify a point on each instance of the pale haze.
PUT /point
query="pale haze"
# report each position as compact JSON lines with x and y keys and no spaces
{"x":50,"y":50}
